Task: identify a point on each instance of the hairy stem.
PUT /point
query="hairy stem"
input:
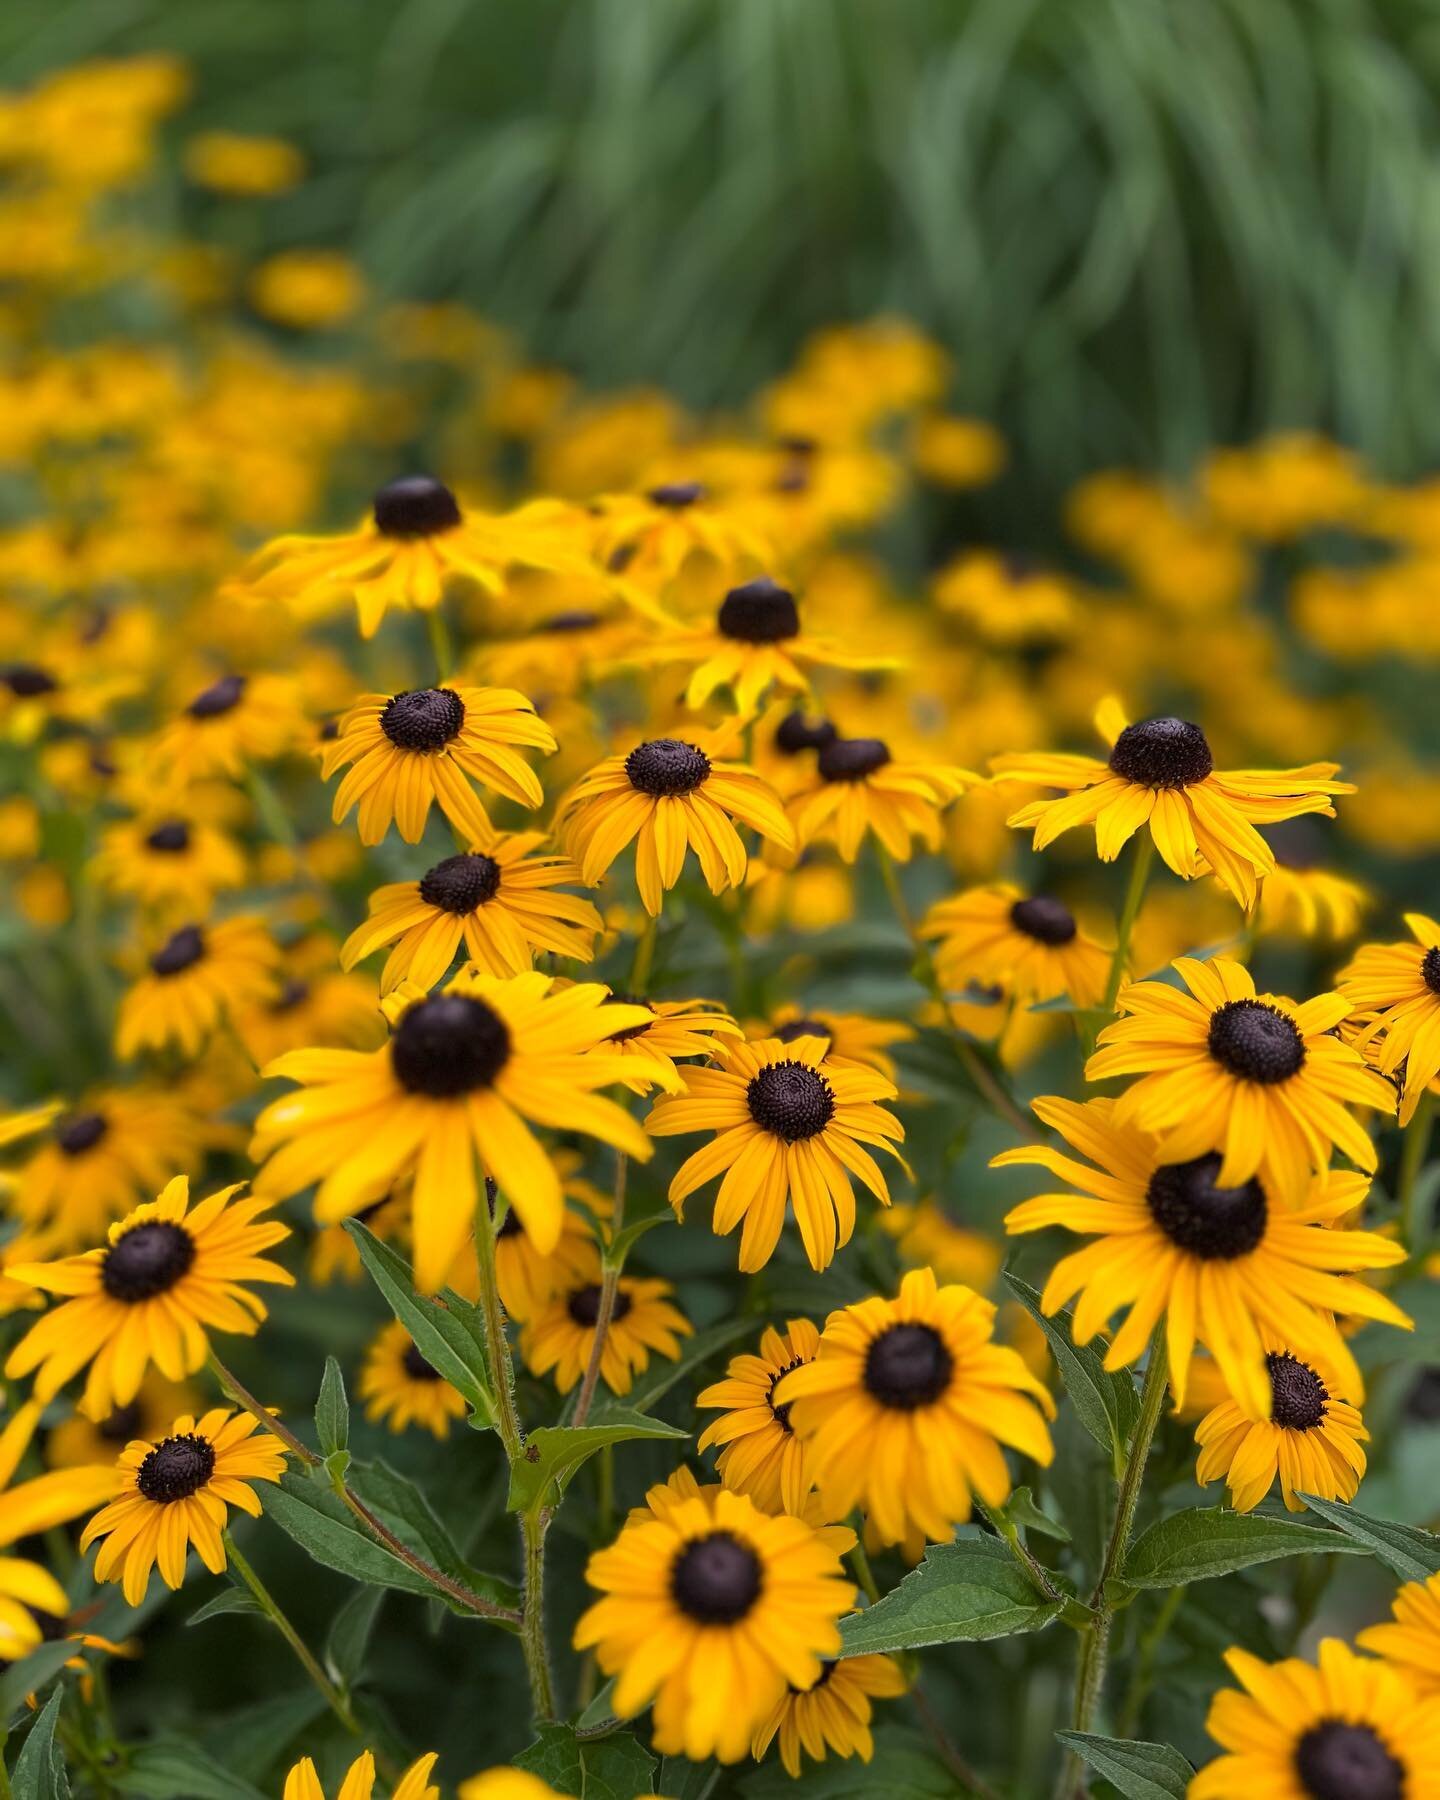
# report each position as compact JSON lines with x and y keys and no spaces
{"x":533,"y":1526}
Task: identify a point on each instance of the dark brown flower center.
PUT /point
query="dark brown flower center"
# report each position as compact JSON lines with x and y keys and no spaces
{"x":782,"y":1412}
{"x":1336,"y":1761}
{"x":798,"y":1028}
{"x":1297,"y":1394}
{"x":790,"y":1101}
{"x":180,"y":951}
{"x":667,"y":766}
{"x":583,"y":1306}
{"x":795,"y":733}
{"x":676,"y":495}
{"x":1430,"y":970}
{"x":462,"y":883}
{"x":120,"y":1425}
{"x":716,"y":1579}
{"x":1214,"y":1223}
{"x":908,"y":1366}
{"x":415,"y":506}
{"x":170,"y":838}
{"x":146,"y":1260}
{"x":1162,"y":753}
{"x":510,"y":1225}
{"x":293,"y":994}
{"x":852,"y":759}
{"x":176,"y":1468}
{"x":423,"y":719}
{"x":631,"y":1031}
{"x":28,"y":681}
{"x":759,"y":612}
{"x":80,"y":1132}
{"x":1256,"y":1041}
{"x":1047,"y":920}
{"x":449,"y":1045}
{"x":563,"y":622}
{"x":220,"y":697}
{"x":416,"y":1366}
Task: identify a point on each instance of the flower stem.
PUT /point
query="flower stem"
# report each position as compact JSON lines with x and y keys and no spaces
{"x":864,"y":1574}
{"x":440,"y":644}
{"x":1412,"y":1160}
{"x":1095,"y":1638}
{"x":609,"y":1287}
{"x":1140,"y":866}
{"x":533,"y":1526}
{"x":644,"y":957}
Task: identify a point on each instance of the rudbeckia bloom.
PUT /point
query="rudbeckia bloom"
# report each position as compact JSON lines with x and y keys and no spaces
{"x":668,"y":795}
{"x":1223,"y":1265}
{"x":905,"y":1408}
{"x":497,"y":901}
{"x":527,"y":1277}
{"x":400,"y":1388}
{"x":505,"y":1784}
{"x":429,"y":744}
{"x":755,"y":644}
{"x":677,"y":1028}
{"x":762,"y":1456}
{"x":235,"y":721}
{"x":1395,"y":991}
{"x":1255,"y":1076}
{"x":1031,"y":943}
{"x":561,"y":1334}
{"x":464,"y":1074}
{"x":314,"y":1005}
{"x":98,"y":1158}
{"x":174,"y":1493}
{"x":31,"y":1599}
{"x":832,"y":1715}
{"x":648,"y":538}
{"x":1160,"y":773}
{"x":1301,"y":897}
{"x":197,"y":978}
{"x":416,"y":539}
{"x":167,"y":862}
{"x":860,"y":787}
{"x":303,"y":1783}
{"x":1410,"y":1639}
{"x":78,"y":1440}
{"x":1006,"y":601}
{"x":791,"y":1124}
{"x":1311,"y":1439}
{"x":850,"y":1036}
{"x":166,"y":1277}
{"x":1347,"y":1729}
{"x":713,"y":1609}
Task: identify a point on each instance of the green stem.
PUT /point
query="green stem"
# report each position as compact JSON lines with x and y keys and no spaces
{"x":1095,"y":1638}
{"x":1143,"y":1677}
{"x":1140,"y":865}
{"x":644,"y":961}
{"x":533,"y":1526}
{"x":441,"y":647}
{"x":1036,"y":1572}
{"x":609,"y":1287}
{"x":1412,"y":1160}
{"x":864,"y":1574}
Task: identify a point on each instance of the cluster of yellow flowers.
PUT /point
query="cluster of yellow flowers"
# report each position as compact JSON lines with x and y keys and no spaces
{"x":429,"y":872}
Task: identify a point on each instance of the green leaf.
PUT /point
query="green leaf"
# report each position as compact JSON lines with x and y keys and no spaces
{"x":553,"y":1453}
{"x":1106,"y":1404}
{"x":31,"y":1674}
{"x":172,"y":1769}
{"x":903,"y":1768}
{"x":332,"y":1411}
{"x":350,"y":1631}
{"x":612,"y":1768}
{"x":441,"y":1328}
{"x":40,"y":1767}
{"x":962,"y":1593}
{"x":1208,"y":1541}
{"x":1021,"y":1510}
{"x":1410,"y":1553}
{"x":664,"y":1375}
{"x":600,"y":1714}
{"x":1140,"y":1771}
{"x":228,"y":1600}
{"x":399,"y":1504}
{"x":624,"y":1241}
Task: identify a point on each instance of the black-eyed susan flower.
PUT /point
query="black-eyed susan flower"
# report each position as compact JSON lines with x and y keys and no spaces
{"x":762,"y":1456}
{"x":1256,"y":1076}
{"x":1341,"y":1728}
{"x":1301,"y":897}
{"x":791,"y":1124}
{"x":1395,"y":992}
{"x":647,"y":538}
{"x":427,"y":745}
{"x":166,"y":1277}
{"x":1030,"y":942}
{"x":233,"y":722}
{"x":499,"y":902}
{"x":527,"y":1277}
{"x":1222,"y":1265}
{"x":832,"y":1715}
{"x":677,"y":1028}
{"x":504,"y":1784}
{"x":98,"y":1158}
{"x":303,"y":1782}
{"x":194,"y":981}
{"x":1008,"y":601}
{"x":851,"y":1036}
{"x":859,"y":787}
{"x":400,"y":1388}
{"x":1410,"y":1639}
{"x":168,"y":863}
{"x":668,"y":795}
{"x":416,"y":540}
{"x":681,"y":1485}
{"x":174,"y":1494}
{"x":78,"y":1440}
{"x":464,"y":1075}
{"x":1160,"y":774}
{"x":1310,"y":1441}
{"x":927,"y":1237}
{"x":755,"y":645}
{"x":905,"y":1407}
{"x":713,"y":1609}
{"x":560,"y":1334}
{"x":313,"y":1005}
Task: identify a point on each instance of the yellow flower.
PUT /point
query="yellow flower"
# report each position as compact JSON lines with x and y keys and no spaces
{"x":233,"y":162}
{"x":1160,"y":773}
{"x":860,"y":787}
{"x":675,"y":1029}
{"x":504,"y":1784}
{"x":429,"y":744}
{"x":303,"y":1783}
{"x":235,"y":721}
{"x":904,"y":1409}
{"x":832,"y":1715}
{"x":78,"y":1440}
{"x":30,"y":1596}
{"x":953,"y":452}
{"x":1410,"y":1640}
{"x":168,"y":863}
{"x":1006,"y":601}
{"x":649,"y":538}
{"x":399,"y":1387}
{"x":1395,"y":992}
{"x":308,"y":290}
{"x":174,"y":1493}
{"x":1253,"y":1075}
{"x":850,"y":1036}
{"x":762,"y":1456}
{"x":561,"y":1333}
{"x":791,"y":1125}
{"x":198,"y":978}
{"x":1030,"y":944}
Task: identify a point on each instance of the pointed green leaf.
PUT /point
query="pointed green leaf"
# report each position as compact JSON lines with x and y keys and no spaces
{"x":1021,"y":1510}
{"x":172,"y":1769}
{"x":350,"y":1631}
{"x":1412,"y":1554}
{"x":554,"y":1452}
{"x":1106,"y":1404}
{"x":228,"y":1600}
{"x":962,"y":1593}
{"x":398,"y":1503}
{"x":31,"y":1674}
{"x":332,"y":1411}
{"x":1204,"y":1542}
{"x":1140,"y":1771}
{"x":617,"y":1767}
{"x":40,"y":1767}
{"x":599,"y":1716}
{"x":624,"y":1241}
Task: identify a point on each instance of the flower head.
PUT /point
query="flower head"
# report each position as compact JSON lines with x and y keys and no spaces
{"x":1032,"y":943}
{"x":303,"y":1782}
{"x":1311,"y":1439}
{"x":762,"y":1456}
{"x":1395,"y":992}
{"x":560,"y":1335}
{"x":832,"y":1715}
{"x":860,"y":787}
{"x":197,"y":978}
{"x":400,"y":1388}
